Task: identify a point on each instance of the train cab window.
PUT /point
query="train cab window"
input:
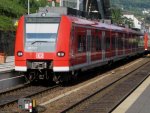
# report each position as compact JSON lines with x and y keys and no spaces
{"x":81,"y":44}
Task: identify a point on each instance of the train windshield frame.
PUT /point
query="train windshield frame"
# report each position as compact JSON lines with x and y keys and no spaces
{"x":41,"y":32}
{"x":41,"y":35}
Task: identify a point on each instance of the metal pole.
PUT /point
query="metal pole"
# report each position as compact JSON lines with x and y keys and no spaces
{"x":87,"y":2}
{"x":28,"y":7}
{"x":78,"y":4}
{"x":60,"y":4}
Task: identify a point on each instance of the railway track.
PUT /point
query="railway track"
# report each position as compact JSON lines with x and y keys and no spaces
{"x":109,"y":97}
{"x":11,"y":96}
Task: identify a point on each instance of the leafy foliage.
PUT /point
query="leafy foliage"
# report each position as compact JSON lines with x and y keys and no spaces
{"x":132,"y":4}
{"x":13,"y":9}
{"x":6,"y":23}
{"x":116,"y":15}
{"x":117,"y":18}
{"x":34,"y":4}
{"x":9,"y":10}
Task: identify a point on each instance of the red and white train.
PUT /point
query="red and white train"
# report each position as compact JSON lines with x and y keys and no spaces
{"x":54,"y":46}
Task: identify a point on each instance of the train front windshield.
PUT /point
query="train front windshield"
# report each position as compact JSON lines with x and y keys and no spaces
{"x":40,"y":36}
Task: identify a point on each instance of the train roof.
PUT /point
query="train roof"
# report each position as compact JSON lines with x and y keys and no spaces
{"x":84,"y":21}
{"x":43,"y":14}
{"x":104,"y":26}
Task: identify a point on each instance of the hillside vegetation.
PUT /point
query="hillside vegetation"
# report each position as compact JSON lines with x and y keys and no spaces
{"x":134,"y":6}
{"x":11,"y":10}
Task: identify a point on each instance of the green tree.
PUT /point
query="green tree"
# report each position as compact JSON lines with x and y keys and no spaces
{"x":34,"y":4}
{"x":9,"y":10}
{"x":119,"y":19}
{"x":128,"y":21}
{"x":116,"y":15}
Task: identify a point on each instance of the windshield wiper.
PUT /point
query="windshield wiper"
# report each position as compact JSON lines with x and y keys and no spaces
{"x":38,"y":41}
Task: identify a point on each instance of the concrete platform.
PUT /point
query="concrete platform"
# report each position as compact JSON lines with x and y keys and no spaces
{"x":138,"y":101}
{"x":8,"y":65}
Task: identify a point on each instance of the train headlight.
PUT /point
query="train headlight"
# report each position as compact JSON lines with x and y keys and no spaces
{"x":60,"y":54}
{"x":20,"y":53}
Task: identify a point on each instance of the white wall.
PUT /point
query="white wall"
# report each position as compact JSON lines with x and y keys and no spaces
{"x":137,"y":23}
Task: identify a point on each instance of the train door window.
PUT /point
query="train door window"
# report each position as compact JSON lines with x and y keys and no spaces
{"x":120,"y":41}
{"x":129,"y":41}
{"x":133,"y":39}
{"x":93,"y":39}
{"x":119,"y":44}
{"x":137,"y":41}
{"x":98,"y":43}
{"x":123,"y":40}
{"x":73,"y":44}
{"x":126,"y":41}
{"x":93,"y":44}
{"x":81,"y":44}
{"x":107,"y":41}
{"x":113,"y":42}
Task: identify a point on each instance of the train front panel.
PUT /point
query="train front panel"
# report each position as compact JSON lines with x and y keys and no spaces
{"x":42,"y":46}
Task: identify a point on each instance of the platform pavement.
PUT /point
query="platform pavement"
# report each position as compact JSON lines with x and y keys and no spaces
{"x":138,"y":101}
{"x":8,"y":65}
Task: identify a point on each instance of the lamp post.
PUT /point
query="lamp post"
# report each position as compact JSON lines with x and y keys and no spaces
{"x":28,"y":7}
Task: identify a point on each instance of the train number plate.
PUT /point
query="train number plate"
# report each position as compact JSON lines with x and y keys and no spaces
{"x":40,"y":55}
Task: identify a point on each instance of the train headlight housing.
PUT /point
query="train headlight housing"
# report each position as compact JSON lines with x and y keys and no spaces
{"x":60,"y":54}
{"x":20,"y":53}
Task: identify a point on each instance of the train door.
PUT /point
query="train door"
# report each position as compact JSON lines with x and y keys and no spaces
{"x":103,"y":45}
{"x":88,"y":46}
{"x":107,"y":45}
{"x":113,"y":43}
